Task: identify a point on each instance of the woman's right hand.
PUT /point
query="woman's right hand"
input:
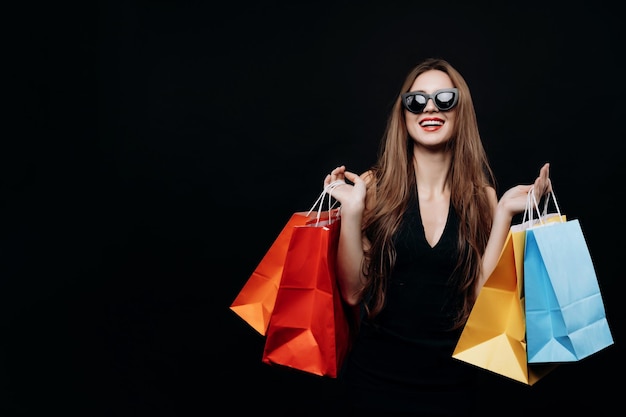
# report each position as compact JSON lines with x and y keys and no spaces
{"x":350,"y":196}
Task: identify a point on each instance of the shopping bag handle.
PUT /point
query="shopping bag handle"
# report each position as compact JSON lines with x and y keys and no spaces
{"x":528,"y":212}
{"x":542,"y":215}
{"x":331,"y":203}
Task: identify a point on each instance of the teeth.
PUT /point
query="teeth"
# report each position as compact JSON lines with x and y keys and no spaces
{"x":431,"y":123}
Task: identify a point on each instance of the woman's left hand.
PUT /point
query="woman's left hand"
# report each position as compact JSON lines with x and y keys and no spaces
{"x":542,"y":184}
{"x":515,"y":199}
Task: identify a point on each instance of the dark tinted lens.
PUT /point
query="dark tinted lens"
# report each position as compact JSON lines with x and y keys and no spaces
{"x":415,"y":103}
{"x":445,"y":100}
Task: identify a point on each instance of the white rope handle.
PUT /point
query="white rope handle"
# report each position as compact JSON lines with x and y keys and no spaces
{"x":542,"y":215}
{"x":528,"y":212}
{"x":320,"y":200}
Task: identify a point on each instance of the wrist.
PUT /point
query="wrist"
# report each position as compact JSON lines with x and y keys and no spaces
{"x":503,"y":213}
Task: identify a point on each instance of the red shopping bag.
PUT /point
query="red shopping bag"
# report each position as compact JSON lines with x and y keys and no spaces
{"x":255,"y":301}
{"x":310,"y":326}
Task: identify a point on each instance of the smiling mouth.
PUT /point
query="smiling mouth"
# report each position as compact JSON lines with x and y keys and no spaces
{"x":431,"y":123}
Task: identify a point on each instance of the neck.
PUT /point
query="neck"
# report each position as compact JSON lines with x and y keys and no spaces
{"x":431,"y":172}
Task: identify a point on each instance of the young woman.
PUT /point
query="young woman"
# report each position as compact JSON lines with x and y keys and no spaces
{"x":420,"y":233}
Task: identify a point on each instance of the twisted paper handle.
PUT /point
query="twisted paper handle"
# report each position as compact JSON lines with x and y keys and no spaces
{"x":320,"y":200}
{"x":542,"y":215}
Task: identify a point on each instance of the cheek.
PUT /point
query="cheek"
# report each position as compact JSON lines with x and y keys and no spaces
{"x":410,"y":118}
{"x":451,"y":120}
{"x":414,"y":131}
{"x":410,"y":121}
{"x":452,"y":115}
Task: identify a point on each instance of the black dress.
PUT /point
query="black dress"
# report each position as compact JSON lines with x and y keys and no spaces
{"x":401,"y":362}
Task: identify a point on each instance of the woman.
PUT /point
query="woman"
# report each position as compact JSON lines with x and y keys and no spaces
{"x":420,"y":233}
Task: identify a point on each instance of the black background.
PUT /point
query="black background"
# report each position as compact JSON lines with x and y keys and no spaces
{"x":157,"y":148}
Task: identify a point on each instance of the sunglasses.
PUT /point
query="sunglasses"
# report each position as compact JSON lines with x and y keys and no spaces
{"x":445,"y":99}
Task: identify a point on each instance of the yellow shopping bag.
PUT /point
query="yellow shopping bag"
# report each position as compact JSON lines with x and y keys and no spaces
{"x":494,"y":335}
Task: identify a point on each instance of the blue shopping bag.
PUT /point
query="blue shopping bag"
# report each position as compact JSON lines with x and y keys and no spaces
{"x":565,"y":316}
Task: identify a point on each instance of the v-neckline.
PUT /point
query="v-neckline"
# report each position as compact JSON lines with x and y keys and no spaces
{"x":423,"y":228}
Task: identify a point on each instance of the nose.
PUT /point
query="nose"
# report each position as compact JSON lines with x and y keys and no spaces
{"x":430,"y":106}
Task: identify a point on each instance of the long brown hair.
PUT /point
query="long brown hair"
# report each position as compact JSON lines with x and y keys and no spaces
{"x":394,"y":179}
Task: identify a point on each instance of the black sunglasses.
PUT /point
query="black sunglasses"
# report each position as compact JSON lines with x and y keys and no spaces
{"x":444,"y":99}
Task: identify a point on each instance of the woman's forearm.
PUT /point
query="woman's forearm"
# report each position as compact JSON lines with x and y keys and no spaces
{"x":350,"y":256}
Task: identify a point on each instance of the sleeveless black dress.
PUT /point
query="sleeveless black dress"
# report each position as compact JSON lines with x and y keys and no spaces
{"x":401,"y":362}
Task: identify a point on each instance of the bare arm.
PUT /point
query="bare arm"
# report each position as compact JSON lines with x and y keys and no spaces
{"x":351,"y":241}
{"x":512,"y":202}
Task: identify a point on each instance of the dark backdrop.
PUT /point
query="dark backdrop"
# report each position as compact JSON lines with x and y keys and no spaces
{"x":159,"y":147}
